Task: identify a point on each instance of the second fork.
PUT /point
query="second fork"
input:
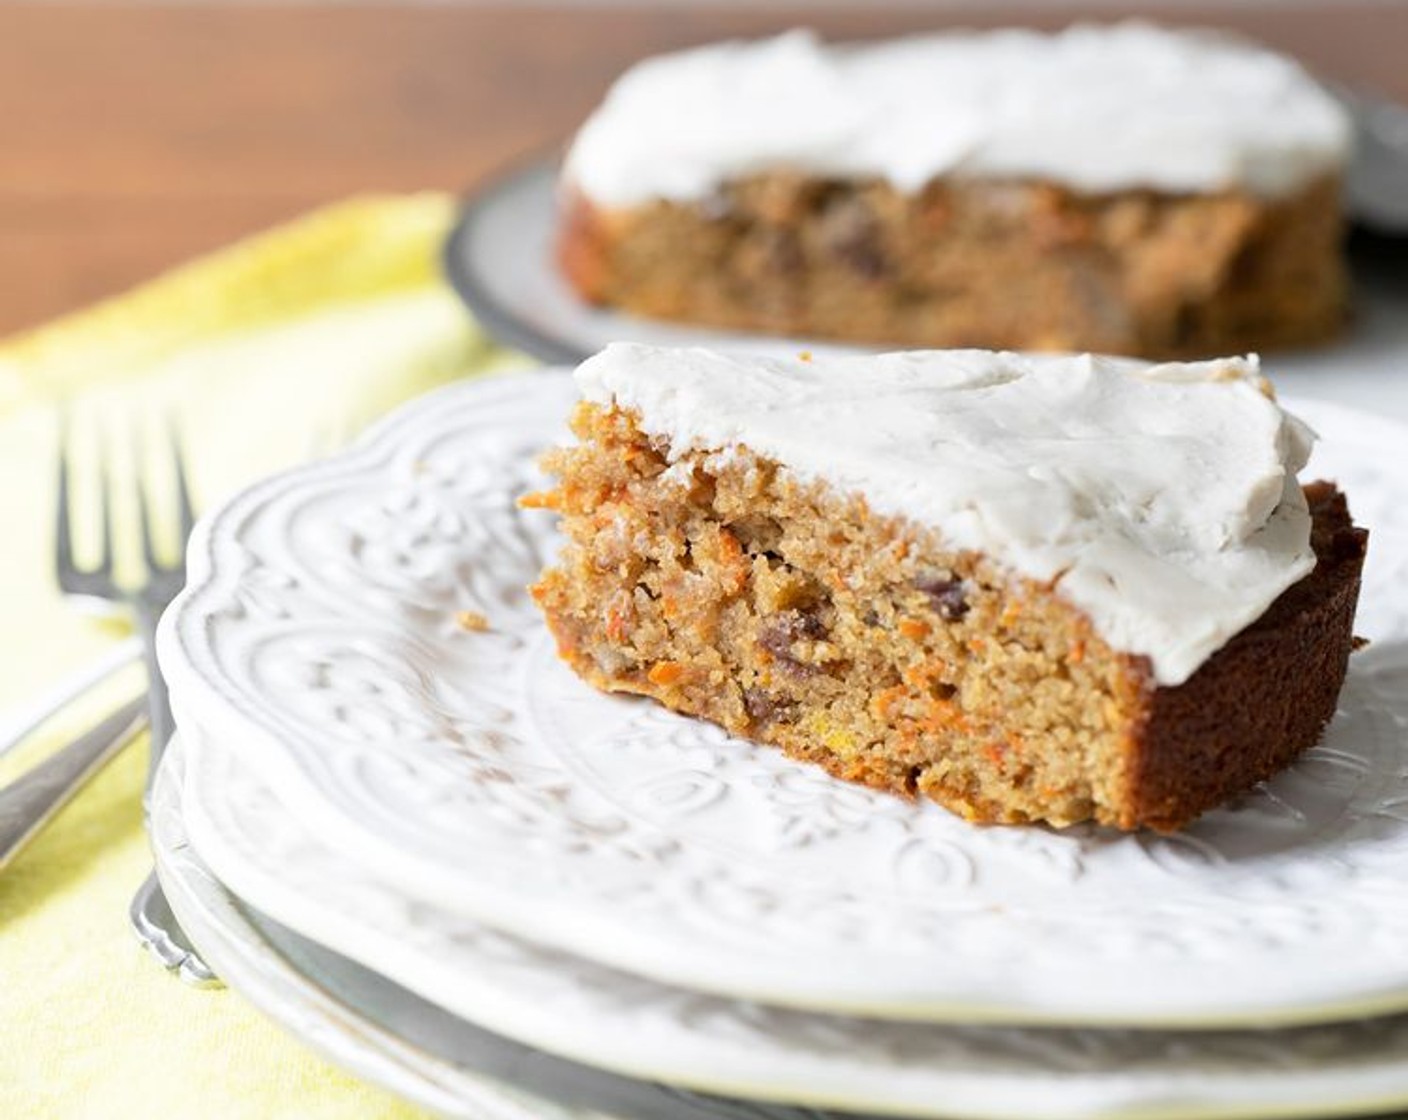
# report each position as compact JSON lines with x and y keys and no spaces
{"x":151,"y":916}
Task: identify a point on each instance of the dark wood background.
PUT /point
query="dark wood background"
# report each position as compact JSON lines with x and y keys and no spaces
{"x":133,"y":137}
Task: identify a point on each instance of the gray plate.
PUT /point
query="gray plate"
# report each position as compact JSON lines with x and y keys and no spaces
{"x":1377,"y":185}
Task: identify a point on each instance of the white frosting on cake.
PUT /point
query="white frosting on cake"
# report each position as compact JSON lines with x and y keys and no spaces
{"x":1160,"y":499}
{"x":1098,"y":108}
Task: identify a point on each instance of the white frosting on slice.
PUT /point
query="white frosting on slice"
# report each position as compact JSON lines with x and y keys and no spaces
{"x":1098,"y":108}
{"x":1161,"y":499}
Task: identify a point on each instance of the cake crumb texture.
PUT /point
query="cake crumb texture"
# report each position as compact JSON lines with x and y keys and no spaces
{"x":725,"y":588}
{"x":992,"y":264}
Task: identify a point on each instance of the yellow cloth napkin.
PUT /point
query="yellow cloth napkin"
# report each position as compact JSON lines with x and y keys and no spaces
{"x":261,"y":355}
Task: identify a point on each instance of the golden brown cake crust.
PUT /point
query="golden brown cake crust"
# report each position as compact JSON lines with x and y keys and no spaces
{"x":986,"y":264}
{"x":724,"y":588}
{"x":1265,"y":696}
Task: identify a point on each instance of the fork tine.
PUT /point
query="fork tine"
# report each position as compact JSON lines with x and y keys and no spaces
{"x":63,"y":534}
{"x":144,"y":517}
{"x":105,"y":560}
{"x":69,"y":574}
{"x":183,"y":486}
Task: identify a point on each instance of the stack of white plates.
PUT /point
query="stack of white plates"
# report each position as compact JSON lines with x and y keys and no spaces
{"x":437,"y":856}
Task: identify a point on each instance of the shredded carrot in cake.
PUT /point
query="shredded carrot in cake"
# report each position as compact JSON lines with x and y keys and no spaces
{"x":541,"y":499}
{"x":618,"y":617}
{"x":665,"y":672}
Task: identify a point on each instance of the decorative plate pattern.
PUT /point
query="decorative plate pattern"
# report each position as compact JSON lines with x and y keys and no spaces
{"x":230,"y":940}
{"x":319,"y":630}
{"x":590,"y":1014}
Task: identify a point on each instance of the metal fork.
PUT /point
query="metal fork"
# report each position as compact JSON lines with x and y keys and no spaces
{"x":150,"y":914}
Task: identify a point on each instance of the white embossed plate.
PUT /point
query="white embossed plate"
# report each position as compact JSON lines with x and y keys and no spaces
{"x":475,"y":771}
{"x":383,"y":1032}
{"x":604,"y":1018}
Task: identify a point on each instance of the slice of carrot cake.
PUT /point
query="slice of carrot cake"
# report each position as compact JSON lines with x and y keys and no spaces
{"x":1031,"y":588}
{"x":1126,"y":189}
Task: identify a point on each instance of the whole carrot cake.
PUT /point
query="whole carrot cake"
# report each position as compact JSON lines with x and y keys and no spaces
{"x":1031,"y":588}
{"x":1123,"y":189}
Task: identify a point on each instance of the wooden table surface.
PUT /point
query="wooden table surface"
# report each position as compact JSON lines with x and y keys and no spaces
{"x":133,"y":137}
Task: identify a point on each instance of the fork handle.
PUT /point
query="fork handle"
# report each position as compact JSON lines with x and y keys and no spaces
{"x":28,"y":803}
{"x":158,"y":700}
{"x":40,"y":710}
